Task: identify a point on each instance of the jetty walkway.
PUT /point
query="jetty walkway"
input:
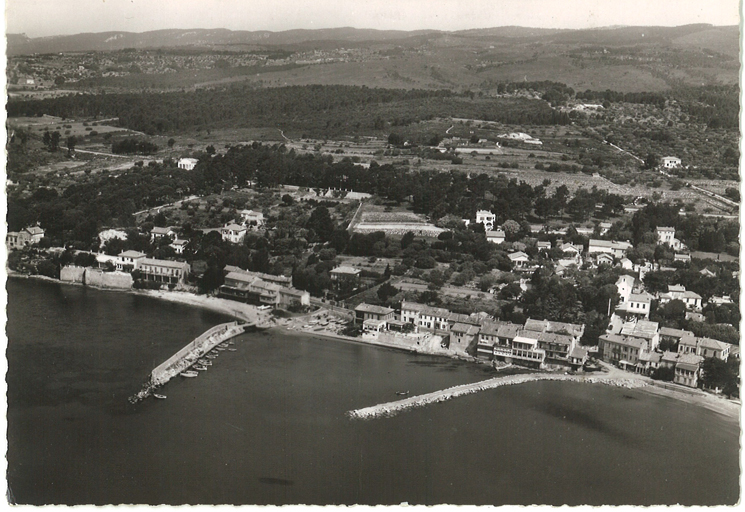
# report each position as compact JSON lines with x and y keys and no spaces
{"x":393,"y":408}
{"x":189,"y":355}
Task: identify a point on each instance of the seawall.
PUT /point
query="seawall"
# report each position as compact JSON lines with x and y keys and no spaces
{"x":188,"y":355}
{"x":393,"y":408}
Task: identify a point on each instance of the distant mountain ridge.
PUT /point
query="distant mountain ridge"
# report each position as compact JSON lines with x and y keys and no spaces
{"x":20,"y":44}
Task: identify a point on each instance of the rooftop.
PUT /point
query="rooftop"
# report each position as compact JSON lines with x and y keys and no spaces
{"x":343,"y":269}
{"x":164,"y":263}
{"x":371,"y":308}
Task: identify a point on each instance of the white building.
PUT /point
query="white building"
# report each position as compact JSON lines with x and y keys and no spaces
{"x":495,"y":237}
{"x":129,"y":260}
{"x":666,"y":235}
{"x":179,"y":245}
{"x":671,"y":162}
{"x":251,"y":219}
{"x":625,"y":285}
{"x":187,"y":164}
{"x":486,"y":218}
{"x":233,"y":233}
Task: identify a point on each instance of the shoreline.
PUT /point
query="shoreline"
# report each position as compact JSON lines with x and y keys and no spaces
{"x":249,"y":313}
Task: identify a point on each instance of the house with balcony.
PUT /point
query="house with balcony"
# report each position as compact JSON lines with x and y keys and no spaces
{"x":486,"y":218}
{"x":164,"y":271}
{"x":688,"y":370}
{"x":250,"y":289}
{"x":621,"y":350}
{"x":233,"y":233}
{"x":487,"y":338}
{"x":525,"y":351}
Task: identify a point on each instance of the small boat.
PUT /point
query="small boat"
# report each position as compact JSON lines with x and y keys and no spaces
{"x":200,"y":368}
{"x":402,"y":393}
{"x":211,"y":356}
{"x":159,"y":397}
{"x":232,"y":349}
{"x":189,"y":374}
{"x":221,"y":348}
{"x":205,"y":362}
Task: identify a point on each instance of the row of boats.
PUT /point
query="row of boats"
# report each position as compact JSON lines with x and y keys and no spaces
{"x":203,"y":363}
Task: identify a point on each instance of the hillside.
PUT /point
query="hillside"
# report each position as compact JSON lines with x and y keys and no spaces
{"x":626,"y":59}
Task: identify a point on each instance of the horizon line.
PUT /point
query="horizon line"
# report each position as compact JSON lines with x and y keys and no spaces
{"x":604,"y":27}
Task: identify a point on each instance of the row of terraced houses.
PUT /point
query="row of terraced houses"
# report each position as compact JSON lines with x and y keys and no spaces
{"x":535,"y":343}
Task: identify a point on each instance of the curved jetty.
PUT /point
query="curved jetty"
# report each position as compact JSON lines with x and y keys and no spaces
{"x":188,"y":355}
{"x":393,"y":408}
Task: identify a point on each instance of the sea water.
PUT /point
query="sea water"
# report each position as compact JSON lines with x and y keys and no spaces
{"x":267,"y":424}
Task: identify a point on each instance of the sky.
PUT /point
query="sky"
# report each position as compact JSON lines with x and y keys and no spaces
{"x":39,"y":18}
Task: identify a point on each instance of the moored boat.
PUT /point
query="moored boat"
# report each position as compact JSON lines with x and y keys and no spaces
{"x":189,"y":374}
{"x":159,"y":397}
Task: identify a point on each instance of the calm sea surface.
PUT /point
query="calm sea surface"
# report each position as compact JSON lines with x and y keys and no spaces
{"x":266,"y":424}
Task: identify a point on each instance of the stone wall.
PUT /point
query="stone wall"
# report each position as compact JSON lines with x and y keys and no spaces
{"x":101,"y":279}
{"x":72,"y":274}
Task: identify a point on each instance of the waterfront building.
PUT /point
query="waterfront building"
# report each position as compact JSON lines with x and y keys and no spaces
{"x":463,"y":335}
{"x":688,"y":370}
{"x":164,"y":271}
{"x":271,"y":278}
{"x":704,"y":347}
{"x":129,"y":260}
{"x":247,"y":287}
{"x":365,"y":312}
{"x":644,"y":329}
{"x":28,"y":236}
{"x":621,"y":350}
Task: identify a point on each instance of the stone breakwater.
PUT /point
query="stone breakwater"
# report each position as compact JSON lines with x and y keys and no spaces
{"x":392,"y":408}
{"x":187,"y":356}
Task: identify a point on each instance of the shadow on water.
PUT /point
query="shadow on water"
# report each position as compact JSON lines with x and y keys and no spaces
{"x":584,"y":420}
{"x":275,"y":481}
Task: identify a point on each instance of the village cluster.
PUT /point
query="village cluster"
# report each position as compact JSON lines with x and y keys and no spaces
{"x":632,"y":342}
